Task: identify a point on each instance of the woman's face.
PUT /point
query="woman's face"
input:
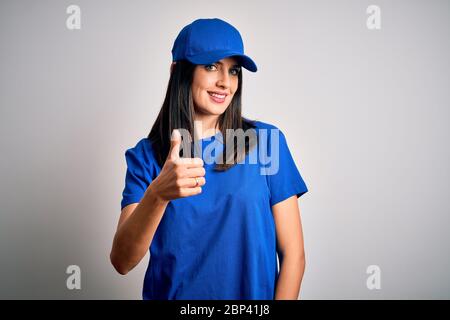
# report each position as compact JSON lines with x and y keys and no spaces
{"x":214,"y":85}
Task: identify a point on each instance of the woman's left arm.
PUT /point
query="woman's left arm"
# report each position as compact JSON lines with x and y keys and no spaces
{"x":290,"y":248}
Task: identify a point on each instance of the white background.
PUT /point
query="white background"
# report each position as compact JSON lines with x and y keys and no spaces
{"x":365,"y":113}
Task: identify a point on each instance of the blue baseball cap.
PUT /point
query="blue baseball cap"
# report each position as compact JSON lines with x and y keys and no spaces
{"x":206,"y":41}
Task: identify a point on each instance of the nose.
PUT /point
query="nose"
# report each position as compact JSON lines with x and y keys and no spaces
{"x":224,"y":79}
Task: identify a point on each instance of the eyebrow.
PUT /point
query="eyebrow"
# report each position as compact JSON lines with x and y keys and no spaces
{"x":236,"y":65}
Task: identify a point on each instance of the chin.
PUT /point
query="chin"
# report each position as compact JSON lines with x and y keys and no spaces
{"x":213,"y":109}
{"x":218,"y":110}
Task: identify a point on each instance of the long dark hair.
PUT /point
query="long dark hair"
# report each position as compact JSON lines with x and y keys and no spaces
{"x":178,"y":111}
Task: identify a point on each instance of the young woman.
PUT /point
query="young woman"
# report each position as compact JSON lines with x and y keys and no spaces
{"x":214,"y":229}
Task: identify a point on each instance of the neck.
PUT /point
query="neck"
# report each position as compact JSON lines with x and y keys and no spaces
{"x":205,"y":125}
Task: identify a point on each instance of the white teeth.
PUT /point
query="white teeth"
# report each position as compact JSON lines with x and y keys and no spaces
{"x":220,"y":96}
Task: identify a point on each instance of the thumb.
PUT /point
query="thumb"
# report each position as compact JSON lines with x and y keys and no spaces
{"x":175,"y":142}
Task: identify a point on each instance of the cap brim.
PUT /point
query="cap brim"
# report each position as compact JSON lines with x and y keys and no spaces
{"x":211,"y":57}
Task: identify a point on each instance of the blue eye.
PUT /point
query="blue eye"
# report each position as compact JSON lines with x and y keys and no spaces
{"x":212,"y":67}
{"x":235,"y":71}
{"x":208,"y":66}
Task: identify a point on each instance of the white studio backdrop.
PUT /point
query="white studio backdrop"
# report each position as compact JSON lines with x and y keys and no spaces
{"x":365,"y":111}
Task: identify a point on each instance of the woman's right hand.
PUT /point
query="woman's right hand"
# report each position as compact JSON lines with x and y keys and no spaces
{"x":177,"y":176}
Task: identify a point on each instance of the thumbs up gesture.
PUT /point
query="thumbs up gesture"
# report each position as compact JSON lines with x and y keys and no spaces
{"x":179,"y":177}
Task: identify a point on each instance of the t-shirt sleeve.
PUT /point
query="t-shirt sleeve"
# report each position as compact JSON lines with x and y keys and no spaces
{"x":138,"y":175}
{"x":285,"y":180}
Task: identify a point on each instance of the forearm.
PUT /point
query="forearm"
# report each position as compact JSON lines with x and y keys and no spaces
{"x":292,"y":268}
{"x":134,"y":235}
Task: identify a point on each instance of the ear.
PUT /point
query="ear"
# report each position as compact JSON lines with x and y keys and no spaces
{"x":171,"y":67}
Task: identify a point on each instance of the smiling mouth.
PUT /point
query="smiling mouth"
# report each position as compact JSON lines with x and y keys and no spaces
{"x":217,"y":97}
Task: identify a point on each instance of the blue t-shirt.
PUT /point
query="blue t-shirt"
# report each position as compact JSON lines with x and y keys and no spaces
{"x":221,"y":243}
